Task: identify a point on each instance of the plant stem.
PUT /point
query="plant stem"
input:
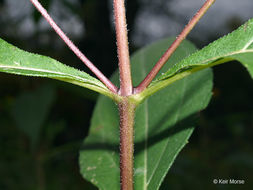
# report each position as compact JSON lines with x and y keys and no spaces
{"x":173,"y":47}
{"x":126,"y":88}
{"x":127,"y":111}
{"x":72,"y":46}
{"x":126,"y":108}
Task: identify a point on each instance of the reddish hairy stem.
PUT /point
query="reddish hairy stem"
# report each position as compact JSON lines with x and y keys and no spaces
{"x":72,"y":46}
{"x":126,"y":109}
{"x":173,"y":47}
{"x":123,"y":51}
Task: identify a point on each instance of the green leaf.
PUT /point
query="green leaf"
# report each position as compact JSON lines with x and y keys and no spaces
{"x":237,"y":45}
{"x":31,"y":110}
{"x":17,"y":61}
{"x":163,"y":124}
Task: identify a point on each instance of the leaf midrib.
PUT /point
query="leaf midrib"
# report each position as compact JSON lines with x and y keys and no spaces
{"x":202,"y":63}
{"x":51,"y":72}
{"x":85,"y":81}
{"x":145,"y":146}
{"x":175,"y":121}
{"x":155,"y":84}
{"x":223,"y":56}
{"x":248,"y":44}
{"x":146,"y":130}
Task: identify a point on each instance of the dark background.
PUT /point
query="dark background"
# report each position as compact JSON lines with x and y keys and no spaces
{"x":46,"y":157}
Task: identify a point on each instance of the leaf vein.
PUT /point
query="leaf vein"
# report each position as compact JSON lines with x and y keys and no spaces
{"x":175,"y":121}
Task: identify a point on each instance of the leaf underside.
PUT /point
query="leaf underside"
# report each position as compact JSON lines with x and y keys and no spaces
{"x":16,"y":61}
{"x":163,"y":124}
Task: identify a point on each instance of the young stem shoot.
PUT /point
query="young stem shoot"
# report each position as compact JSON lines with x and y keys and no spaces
{"x":144,"y":84}
{"x":126,"y":88}
{"x":72,"y":46}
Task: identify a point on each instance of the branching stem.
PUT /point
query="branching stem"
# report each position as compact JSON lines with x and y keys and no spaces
{"x":144,"y":84}
{"x":126,"y":106}
{"x":72,"y":46}
{"x":126,"y":88}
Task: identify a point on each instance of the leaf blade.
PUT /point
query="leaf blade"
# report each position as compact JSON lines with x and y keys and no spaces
{"x":16,"y":61}
{"x":227,"y":48}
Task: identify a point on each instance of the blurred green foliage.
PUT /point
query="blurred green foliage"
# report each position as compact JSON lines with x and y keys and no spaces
{"x":31,"y":109}
{"x":40,"y":141}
